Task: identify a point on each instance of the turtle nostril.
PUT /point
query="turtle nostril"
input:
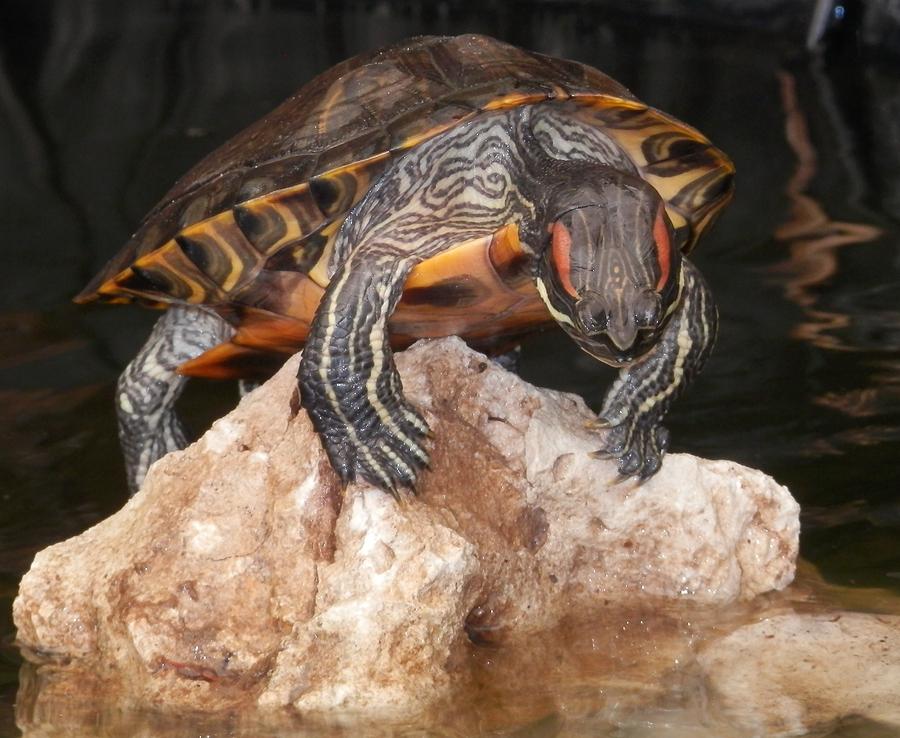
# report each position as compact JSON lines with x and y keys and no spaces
{"x":592,"y":317}
{"x":648,"y":311}
{"x":648,"y":318}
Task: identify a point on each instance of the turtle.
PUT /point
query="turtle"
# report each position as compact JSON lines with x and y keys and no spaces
{"x":439,"y":186}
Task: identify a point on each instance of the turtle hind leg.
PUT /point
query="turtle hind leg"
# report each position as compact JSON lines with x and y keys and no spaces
{"x":639,"y":399}
{"x":147,"y":390}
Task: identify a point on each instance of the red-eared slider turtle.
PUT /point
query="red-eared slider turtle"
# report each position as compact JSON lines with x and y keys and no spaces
{"x":440,"y":186}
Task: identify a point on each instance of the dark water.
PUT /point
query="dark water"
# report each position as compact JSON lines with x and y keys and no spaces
{"x":104,"y":104}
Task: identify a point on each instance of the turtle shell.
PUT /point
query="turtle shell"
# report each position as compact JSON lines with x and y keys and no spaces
{"x":249,"y":230}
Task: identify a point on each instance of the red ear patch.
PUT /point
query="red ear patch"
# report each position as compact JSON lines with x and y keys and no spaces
{"x":561,"y":244}
{"x":663,"y":248}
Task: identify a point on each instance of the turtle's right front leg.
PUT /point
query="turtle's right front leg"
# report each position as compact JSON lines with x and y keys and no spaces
{"x":349,"y":384}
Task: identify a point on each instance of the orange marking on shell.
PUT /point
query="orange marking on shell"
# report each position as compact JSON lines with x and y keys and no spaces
{"x":506,"y":310}
{"x":560,"y":93}
{"x":110,"y":288}
{"x":560,"y":251}
{"x":509,"y":260}
{"x":663,"y":249}
{"x":514,"y":100}
{"x":357,"y":166}
{"x":295,"y":207}
{"x":187,"y":282}
{"x":412,"y":141}
{"x":264,"y":330}
{"x":508,"y":304}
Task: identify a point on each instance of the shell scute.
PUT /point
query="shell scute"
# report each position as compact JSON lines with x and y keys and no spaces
{"x":281,"y":218}
{"x":220,"y":251}
{"x":301,"y":256}
{"x":217,"y":196}
{"x":328,"y":134}
{"x":163,"y":273}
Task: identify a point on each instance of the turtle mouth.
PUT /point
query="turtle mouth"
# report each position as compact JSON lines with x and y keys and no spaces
{"x":612,"y":334}
{"x":608,"y":349}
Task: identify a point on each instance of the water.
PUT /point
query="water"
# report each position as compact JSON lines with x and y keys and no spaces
{"x":104,"y":104}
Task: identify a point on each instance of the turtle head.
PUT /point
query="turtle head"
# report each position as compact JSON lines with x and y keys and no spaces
{"x":610,"y":272}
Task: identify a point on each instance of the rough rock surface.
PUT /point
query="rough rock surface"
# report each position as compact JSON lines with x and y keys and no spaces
{"x":785,"y":674}
{"x":241,"y":572}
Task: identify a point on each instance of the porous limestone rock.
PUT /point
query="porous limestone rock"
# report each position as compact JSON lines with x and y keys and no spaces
{"x":242,"y":572}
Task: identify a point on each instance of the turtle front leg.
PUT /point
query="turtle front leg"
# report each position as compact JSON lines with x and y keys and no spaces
{"x":148,"y":388}
{"x":638,"y":400}
{"x":349,"y":384}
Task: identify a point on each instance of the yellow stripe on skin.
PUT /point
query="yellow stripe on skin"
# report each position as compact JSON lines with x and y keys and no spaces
{"x":324,"y":366}
{"x":558,"y":316}
{"x":378,"y":348}
{"x":395,"y":458}
{"x":685,"y":343}
{"x":376,"y":342}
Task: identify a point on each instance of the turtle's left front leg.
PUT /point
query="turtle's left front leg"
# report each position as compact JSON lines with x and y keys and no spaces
{"x":349,"y":384}
{"x":642,"y":394}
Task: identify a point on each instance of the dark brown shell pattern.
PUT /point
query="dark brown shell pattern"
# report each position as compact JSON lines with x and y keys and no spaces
{"x":248,"y":231}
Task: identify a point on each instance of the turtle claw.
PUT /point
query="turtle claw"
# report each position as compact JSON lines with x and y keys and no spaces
{"x":605,"y":421}
{"x":637,"y":447}
{"x":600,"y":423}
{"x":387,"y":449}
{"x":392,"y":457}
{"x":638,"y":400}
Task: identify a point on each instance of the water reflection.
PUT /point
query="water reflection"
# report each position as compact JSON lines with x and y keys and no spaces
{"x":815,"y":242}
{"x":812,"y":237}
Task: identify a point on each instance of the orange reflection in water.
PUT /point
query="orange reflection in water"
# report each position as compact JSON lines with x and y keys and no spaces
{"x":813,"y":238}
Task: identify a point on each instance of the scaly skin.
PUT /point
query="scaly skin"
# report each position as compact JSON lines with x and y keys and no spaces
{"x":349,"y":384}
{"x":147,"y":390}
{"x":639,"y":399}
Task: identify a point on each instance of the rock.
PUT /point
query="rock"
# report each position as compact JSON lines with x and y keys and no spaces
{"x":787,"y":674}
{"x":241,"y":573}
